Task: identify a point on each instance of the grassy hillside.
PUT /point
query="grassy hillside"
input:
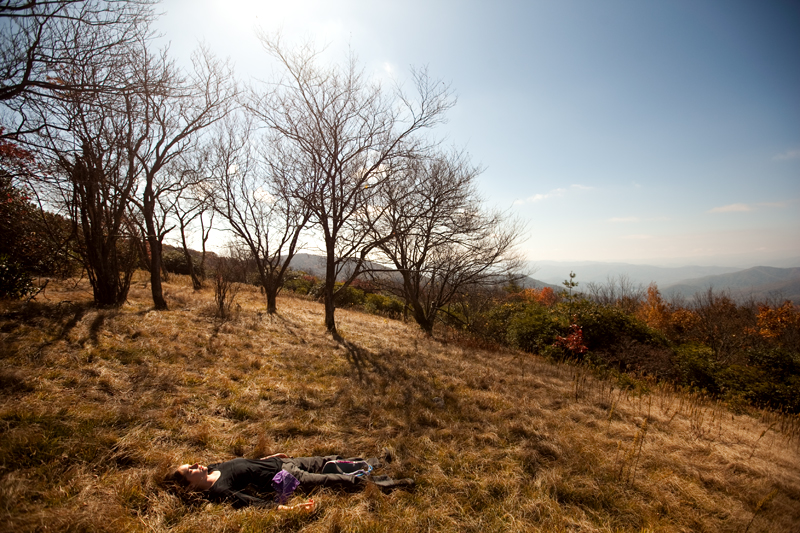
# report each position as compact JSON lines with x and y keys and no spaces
{"x":97,"y":405}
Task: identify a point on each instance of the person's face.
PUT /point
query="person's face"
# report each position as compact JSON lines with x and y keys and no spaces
{"x":194,"y":474}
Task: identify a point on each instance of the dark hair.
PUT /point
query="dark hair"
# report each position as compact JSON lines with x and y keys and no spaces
{"x":177,"y":479}
{"x":177,"y":483}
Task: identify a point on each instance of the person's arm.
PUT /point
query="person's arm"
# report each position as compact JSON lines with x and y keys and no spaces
{"x":309,"y":506}
{"x":278,"y":455}
{"x":240,"y":499}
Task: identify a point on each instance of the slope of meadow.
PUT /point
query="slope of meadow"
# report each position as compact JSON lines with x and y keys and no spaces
{"x":97,"y":405}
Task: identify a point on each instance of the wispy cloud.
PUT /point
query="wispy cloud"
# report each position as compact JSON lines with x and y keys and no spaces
{"x":555,"y":193}
{"x":732,"y":208}
{"x":788,"y":154}
{"x":774,"y":205}
{"x":539,"y":197}
{"x":624,"y":219}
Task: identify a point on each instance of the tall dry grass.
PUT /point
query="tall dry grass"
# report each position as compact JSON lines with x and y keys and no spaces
{"x":97,"y":405}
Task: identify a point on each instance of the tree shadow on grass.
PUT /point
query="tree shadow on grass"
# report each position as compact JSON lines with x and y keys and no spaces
{"x":98,"y":322}
{"x":57,"y":320}
{"x":363,"y":361}
{"x":289,"y":327}
{"x":393,"y":367}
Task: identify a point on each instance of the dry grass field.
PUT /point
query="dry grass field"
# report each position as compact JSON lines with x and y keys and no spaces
{"x":97,"y":405}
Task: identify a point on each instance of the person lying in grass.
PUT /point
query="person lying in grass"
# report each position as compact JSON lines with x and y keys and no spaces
{"x":280,"y":474}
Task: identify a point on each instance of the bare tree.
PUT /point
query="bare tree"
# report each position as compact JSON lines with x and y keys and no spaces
{"x":123,"y":139}
{"x":620,"y":291}
{"x":722,"y":325}
{"x":344,"y":132}
{"x":88,"y":146}
{"x":443,"y":242}
{"x":229,"y":270}
{"x":193,"y":207}
{"x":42,"y":40}
{"x":250,"y":193}
{"x":176,"y":108}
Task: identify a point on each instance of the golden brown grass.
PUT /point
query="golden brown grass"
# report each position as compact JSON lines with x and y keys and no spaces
{"x":97,"y":405}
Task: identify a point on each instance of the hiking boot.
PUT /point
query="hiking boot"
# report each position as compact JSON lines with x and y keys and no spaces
{"x":387,"y":456}
{"x":386,"y":483}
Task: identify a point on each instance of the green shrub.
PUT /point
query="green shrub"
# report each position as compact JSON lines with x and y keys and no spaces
{"x":772,"y":379}
{"x":15,"y":282}
{"x":761,"y":370}
{"x":299,"y":282}
{"x":380,"y":304}
{"x":605,"y":327}
{"x":38,"y":240}
{"x":778,"y":361}
{"x":174,"y":262}
{"x":349,"y":296}
{"x":493,"y":324}
{"x":696,"y":367}
{"x":534,"y":328}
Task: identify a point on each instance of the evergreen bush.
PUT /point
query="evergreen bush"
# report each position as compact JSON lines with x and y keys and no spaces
{"x":605,"y":327}
{"x":380,"y":304}
{"x":300,"y":282}
{"x":15,"y":282}
{"x":696,"y":367}
{"x":174,"y":262}
{"x":534,"y":328}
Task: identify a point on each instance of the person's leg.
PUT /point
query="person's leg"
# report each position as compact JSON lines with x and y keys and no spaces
{"x":309,"y":479}
{"x":310,"y":464}
{"x":315,"y":464}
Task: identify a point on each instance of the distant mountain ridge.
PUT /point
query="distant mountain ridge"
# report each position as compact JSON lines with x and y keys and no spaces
{"x":758,"y":283}
{"x":315,"y":265}
{"x":599,"y":272}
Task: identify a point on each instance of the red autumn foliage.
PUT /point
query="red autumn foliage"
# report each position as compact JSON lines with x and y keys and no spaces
{"x":573,"y":342}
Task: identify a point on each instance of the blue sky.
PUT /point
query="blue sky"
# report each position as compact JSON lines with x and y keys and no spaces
{"x":661,"y":132}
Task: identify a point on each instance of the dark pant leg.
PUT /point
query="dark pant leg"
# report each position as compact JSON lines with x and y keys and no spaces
{"x":315,"y":464}
{"x":312,"y":465}
{"x":309,"y":480}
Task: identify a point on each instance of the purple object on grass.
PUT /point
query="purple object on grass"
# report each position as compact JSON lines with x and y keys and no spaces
{"x":284,"y":484}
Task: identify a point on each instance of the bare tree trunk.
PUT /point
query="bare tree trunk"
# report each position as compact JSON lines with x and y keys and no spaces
{"x":155,"y":251}
{"x":155,"y":273}
{"x":425,"y":323}
{"x":204,"y":234}
{"x":330,"y":280}
{"x":196,"y":283}
{"x":272,"y":301}
{"x":107,"y":258}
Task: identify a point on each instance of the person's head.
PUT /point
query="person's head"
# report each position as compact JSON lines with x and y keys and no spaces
{"x":190,"y":477}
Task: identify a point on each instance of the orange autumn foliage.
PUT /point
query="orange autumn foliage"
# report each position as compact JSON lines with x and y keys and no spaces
{"x":658,"y":314}
{"x":544,"y":296}
{"x":773,"y":322}
{"x":654,"y":311}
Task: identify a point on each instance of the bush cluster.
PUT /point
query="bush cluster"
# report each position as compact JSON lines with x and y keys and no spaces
{"x":744,"y":353}
{"x":38,"y":241}
{"x":174,"y":262}
{"x":299,"y":282}
{"x":359,"y":294}
{"x":15,"y":282}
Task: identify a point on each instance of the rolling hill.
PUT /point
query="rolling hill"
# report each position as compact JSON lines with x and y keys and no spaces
{"x":97,"y":405}
{"x":599,"y":272}
{"x":757,"y":283}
